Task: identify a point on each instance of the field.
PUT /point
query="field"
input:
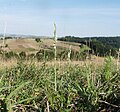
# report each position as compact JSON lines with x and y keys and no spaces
{"x":54,"y":84}
{"x":30,"y":45}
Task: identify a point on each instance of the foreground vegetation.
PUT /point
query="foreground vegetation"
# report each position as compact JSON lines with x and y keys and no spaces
{"x":31,"y":88}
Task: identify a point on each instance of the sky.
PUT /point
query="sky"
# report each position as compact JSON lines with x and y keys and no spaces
{"x":72,"y":17}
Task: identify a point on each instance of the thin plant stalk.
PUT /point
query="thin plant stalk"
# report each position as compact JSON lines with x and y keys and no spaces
{"x":48,"y":110}
{"x":55,"y":55}
{"x":69,"y":54}
{"x":4,"y":35}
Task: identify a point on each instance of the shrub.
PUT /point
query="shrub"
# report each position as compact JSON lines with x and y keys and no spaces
{"x":38,"y":40}
{"x":45,"y":55}
{"x":22,"y":55}
{"x":9,"y":55}
{"x":6,"y":45}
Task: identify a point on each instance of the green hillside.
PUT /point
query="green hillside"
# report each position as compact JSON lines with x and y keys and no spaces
{"x":99,"y":45}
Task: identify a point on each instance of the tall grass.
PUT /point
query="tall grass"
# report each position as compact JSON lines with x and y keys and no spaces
{"x":27,"y":87}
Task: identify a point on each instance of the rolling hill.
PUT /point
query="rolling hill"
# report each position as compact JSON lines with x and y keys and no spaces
{"x":31,"y":46}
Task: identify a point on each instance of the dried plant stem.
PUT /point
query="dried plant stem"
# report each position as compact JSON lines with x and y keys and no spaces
{"x":55,"y":53}
{"x":4,"y":35}
{"x":48,"y":110}
{"x":69,"y":54}
{"x":101,"y":101}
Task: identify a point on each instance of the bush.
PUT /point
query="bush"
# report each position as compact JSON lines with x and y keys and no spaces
{"x":43,"y":55}
{"x":38,"y":40}
{"x":9,"y":55}
{"x":6,"y":45}
{"x":22,"y":55}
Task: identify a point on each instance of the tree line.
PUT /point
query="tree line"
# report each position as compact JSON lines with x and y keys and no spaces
{"x":101,"y":46}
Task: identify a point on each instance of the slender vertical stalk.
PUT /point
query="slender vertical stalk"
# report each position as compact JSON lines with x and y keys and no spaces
{"x":69,"y":54}
{"x":48,"y":110}
{"x":4,"y":34}
{"x":55,"y":55}
{"x":69,"y":57}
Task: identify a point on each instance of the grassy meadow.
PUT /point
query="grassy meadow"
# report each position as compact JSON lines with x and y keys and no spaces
{"x":67,"y":82}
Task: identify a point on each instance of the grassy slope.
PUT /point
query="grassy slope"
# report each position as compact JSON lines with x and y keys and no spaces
{"x":31,"y":46}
